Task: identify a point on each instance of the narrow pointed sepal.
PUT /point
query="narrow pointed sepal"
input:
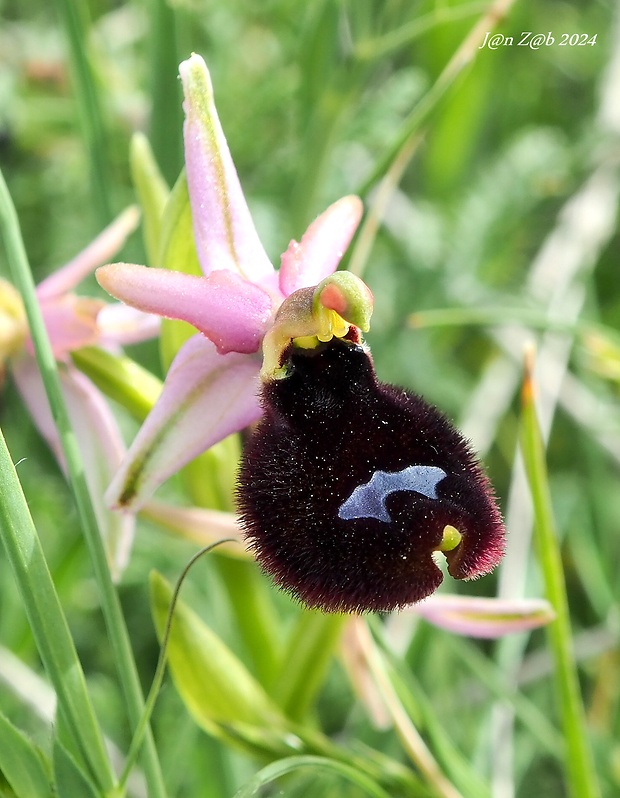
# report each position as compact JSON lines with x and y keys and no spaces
{"x":225,"y":234}
{"x":474,"y":616}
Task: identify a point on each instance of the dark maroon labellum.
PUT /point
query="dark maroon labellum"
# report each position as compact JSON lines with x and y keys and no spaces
{"x":348,"y":484}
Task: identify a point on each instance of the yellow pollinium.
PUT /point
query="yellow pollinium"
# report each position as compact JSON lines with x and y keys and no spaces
{"x":450,"y":539}
{"x":332,"y":325}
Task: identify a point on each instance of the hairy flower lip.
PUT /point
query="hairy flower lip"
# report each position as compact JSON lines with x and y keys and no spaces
{"x":334,"y":437}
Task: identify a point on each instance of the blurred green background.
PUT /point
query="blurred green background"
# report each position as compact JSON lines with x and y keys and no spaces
{"x":508,"y":207}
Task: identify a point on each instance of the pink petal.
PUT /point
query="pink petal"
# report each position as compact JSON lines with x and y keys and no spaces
{"x":199,"y":525}
{"x":99,"y":441}
{"x":122,"y":325}
{"x":229,"y":310}
{"x":71,"y":322}
{"x":322,"y":246}
{"x":30,"y":385}
{"x":224,"y":231}
{"x":484,"y":617}
{"x":98,"y":252}
{"x":206,"y":397}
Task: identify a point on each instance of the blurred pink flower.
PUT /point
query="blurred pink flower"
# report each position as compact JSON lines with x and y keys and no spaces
{"x":211,"y":388}
{"x":73,"y":322}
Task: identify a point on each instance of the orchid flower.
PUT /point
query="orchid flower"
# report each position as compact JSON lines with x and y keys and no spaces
{"x":211,"y":388}
{"x":348,"y":486}
{"x":73,"y":322}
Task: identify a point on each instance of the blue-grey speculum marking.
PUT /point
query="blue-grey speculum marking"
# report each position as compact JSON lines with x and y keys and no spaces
{"x":368,"y":500}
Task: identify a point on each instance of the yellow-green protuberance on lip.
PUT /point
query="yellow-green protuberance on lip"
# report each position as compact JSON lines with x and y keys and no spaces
{"x":450,"y":539}
{"x":311,"y":316}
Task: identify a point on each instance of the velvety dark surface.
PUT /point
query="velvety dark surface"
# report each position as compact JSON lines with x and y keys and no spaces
{"x":328,"y":427}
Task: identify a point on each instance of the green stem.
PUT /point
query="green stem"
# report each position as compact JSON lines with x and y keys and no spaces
{"x":579,"y":764}
{"x":115,"y":622}
{"x":142,"y":727}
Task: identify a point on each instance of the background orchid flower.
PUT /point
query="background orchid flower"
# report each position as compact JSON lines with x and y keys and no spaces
{"x":73,"y":322}
{"x":211,"y":388}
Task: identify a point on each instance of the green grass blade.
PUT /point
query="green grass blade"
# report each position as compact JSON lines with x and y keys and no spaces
{"x":115,"y":622}
{"x":310,"y":650}
{"x":21,"y":763}
{"x":275,"y":770}
{"x":581,"y":775}
{"x":68,"y":776}
{"x":429,"y":103}
{"x":411,"y":739}
{"x":166,"y":123}
{"x":47,"y":621}
{"x":89,"y":105}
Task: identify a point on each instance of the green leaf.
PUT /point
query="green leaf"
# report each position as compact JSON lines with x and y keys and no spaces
{"x":317,"y":763}
{"x":215,"y":686}
{"x":309,"y":652}
{"x":580,"y":771}
{"x":46,"y":618}
{"x":74,"y":17}
{"x":153,"y":193}
{"x":177,"y":252}
{"x":70,"y":778}
{"x":22,"y":763}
